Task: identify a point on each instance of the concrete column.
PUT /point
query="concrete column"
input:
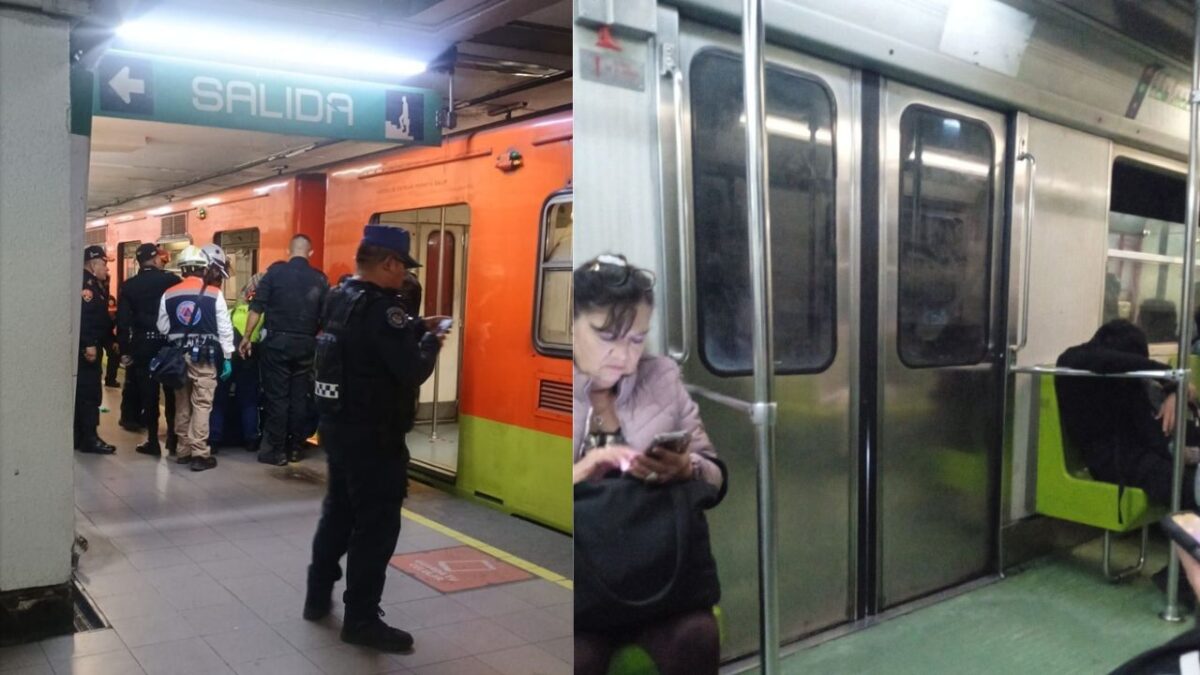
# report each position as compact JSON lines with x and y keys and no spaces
{"x":41,"y":226}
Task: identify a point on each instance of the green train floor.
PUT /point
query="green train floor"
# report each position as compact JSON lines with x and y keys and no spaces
{"x":1054,"y":615}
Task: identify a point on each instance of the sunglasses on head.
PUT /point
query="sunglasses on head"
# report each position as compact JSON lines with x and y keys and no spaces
{"x":616,"y":271}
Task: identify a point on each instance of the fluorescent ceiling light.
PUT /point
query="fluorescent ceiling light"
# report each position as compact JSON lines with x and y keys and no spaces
{"x":98,"y":222}
{"x":939,"y":160}
{"x":262,"y":190}
{"x":782,"y":126}
{"x":206,"y":202}
{"x":159,"y":211}
{"x":229,"y":44}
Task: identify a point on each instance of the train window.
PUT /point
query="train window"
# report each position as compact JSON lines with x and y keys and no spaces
{"x":800,"y":118}
{"x":945,"y":238}
{"x":552,"y":315}
{"x":127,"y":266}
{"x":439,"y":273}
{"x":241,"y":251}
{"x":1145,"y":248}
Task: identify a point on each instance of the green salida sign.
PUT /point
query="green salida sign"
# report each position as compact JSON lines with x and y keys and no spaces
{"x":163,"y":89}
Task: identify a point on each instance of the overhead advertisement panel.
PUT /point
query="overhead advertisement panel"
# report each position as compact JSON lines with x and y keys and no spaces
{"x":181,"y":91}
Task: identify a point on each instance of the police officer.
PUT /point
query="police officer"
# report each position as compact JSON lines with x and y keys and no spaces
{"x":291,"y":294}
{"x":140,"y":340}
{"x":95,"y":330}
{"x":370,"y":356}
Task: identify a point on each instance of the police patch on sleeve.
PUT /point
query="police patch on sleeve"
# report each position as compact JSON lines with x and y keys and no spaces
{"x":396,"y":317}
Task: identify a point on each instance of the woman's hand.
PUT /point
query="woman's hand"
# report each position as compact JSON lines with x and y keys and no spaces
{"x":1166,"y":413}
{"x":600,"y":461}
{"x":659,"y":465}
{"x":1190,"y":567}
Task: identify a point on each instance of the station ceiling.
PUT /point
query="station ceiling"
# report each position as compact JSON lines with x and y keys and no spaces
{"x":511,"y":58}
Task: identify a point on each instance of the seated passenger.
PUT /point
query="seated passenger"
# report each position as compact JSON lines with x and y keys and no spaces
{"x":623,"y":400}
{"x":1123,"y":436}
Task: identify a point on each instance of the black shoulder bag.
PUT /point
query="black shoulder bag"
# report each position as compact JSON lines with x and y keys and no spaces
{"x":641,"y":552}
{"x":169,"y":365}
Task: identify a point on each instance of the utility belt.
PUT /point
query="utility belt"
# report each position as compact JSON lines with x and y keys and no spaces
{"x":149,"y":336}
{"x":200,"y":348}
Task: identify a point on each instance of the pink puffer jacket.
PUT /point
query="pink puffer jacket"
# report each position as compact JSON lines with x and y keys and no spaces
{"x":650,"y":402}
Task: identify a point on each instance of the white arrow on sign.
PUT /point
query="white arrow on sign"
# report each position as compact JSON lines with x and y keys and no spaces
{"x":125,"y":85}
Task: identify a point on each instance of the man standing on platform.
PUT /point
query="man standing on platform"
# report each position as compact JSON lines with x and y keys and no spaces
{"x":140,"y":340}
{"x":95,"y":331}
{"x":371,"y":356}
{"x":290,"y":294}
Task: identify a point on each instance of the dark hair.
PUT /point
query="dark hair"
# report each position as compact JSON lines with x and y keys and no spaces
{"x":609,"y":283}
{"x":370,"y":255}
{"x":1122,"y":336}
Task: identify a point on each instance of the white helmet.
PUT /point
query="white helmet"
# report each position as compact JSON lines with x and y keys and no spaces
{"x":191,"y":258}
{"x":215,"y":256}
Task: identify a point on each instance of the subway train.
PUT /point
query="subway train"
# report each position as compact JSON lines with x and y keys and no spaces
{"x":490,"y":214}
{"x":956,"y":190}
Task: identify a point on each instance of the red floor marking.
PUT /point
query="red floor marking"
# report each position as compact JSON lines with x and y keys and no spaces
{"x":458,"y":569}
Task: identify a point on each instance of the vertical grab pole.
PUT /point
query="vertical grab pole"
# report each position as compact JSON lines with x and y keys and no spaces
{"x":437,"y":364}
{"x":763,"y":411}
{"x":1171,"y":611}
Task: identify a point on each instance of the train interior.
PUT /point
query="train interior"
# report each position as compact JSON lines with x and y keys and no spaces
{"x":182,"y":574}
{"x":937,"y":235}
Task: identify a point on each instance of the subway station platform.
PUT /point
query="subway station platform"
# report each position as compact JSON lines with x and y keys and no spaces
{"x":204,"y":573}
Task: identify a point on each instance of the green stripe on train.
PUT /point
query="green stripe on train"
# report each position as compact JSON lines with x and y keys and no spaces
{"x":528,"y":471}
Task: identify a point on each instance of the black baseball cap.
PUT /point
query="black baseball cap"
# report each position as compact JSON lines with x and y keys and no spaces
{"x":93,"y":252}
{"x":394,"y":239}
{"x":146,"y":252}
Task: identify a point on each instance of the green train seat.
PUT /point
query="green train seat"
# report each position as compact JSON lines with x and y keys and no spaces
{"x":633,"y":660}
{"x":1065,"y":489}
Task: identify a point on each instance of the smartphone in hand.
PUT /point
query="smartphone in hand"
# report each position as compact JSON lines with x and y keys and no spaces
{"x":1184,"y":529}
{"x":673,"y":441}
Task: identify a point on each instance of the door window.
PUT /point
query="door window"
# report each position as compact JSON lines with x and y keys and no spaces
{"x":945,"y":238}
{"x":552,"y":316}
{"x":801,"y":156}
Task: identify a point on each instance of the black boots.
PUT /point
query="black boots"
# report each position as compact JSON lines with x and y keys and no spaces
{"x":97,"y":447}
{"x":203,"y":463}
{"x":149,"y":448}
{"x":374,"y":633}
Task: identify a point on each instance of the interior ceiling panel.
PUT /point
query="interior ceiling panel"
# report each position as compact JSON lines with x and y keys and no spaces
{"x":1162,"y":25}
{"x":502,"y":45}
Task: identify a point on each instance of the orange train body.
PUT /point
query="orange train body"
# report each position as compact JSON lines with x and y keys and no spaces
{"x":501,"y":371}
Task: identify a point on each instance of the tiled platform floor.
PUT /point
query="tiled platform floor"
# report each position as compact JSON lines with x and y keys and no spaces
{"x":203,"y":573}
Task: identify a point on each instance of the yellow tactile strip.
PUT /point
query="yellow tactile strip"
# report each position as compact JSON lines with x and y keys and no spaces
{"x":509,"y":558}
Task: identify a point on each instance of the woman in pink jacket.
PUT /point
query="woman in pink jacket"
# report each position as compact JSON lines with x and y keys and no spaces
{"x":623,"y":399}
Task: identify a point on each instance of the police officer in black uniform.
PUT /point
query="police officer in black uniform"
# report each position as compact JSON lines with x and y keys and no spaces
{"x":290,"y":294}
{"x":137,"y":331}
{"x":371,"y":356}
{"x":95,"y":330}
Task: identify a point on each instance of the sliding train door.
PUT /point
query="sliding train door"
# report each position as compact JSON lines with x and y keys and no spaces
{"x":810,"y":118}
{"x":439,"y":243}
{"x":941,"y":355}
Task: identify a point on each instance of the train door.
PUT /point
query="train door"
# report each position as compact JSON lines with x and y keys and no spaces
{"x":810,"y":121}
{"x":241,"y":250}
{"x":941,"y":360}
{"x":886,"y":226}
{"x":439,"y":237}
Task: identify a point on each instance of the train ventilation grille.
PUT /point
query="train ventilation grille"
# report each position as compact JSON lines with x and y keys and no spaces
{"x":555,"y":396}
